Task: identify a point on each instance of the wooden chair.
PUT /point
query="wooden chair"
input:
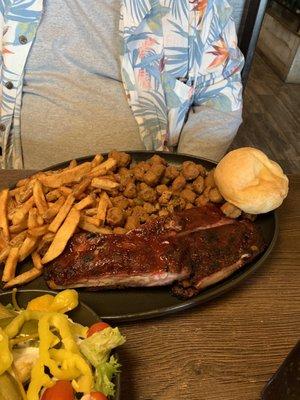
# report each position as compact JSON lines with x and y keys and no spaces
{"x":248,"y":16}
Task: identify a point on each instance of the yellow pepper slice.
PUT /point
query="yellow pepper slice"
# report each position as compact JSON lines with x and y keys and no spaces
{"x":41,"y":303}
{"x":64,"y":364}
{"x":6,"y":357}
{"x":38,"y":380}
{"x":63,"y":302}
{"x":75,"y":362}
{"x":14,"y":327}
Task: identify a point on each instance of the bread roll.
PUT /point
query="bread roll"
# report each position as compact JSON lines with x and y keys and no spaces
{"x":247,"y":178}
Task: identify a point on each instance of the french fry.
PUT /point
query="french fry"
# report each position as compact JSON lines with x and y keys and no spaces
{"x":3,"y":241}
{"x":27,"y":247}
{"x":16,"y":191}
{"x":36,"y":259}
{"x":23,"y":278}
{"x":22,"y":212}
{"x":87,"y":226}
{"x":91,"y":212}
{"x":65,"y":190}
{"x":97,"y":160}
{"x":4,"y":196}
{"x":62,"y":178}
{"x":18,"y":240}
{"x":53,"y":210}
{"x":10,"y":264}
{"x":40,"y":220}
{"x":38,"y":231}
{"x":62,"y":213}
{"x":104,"y":183}
{"x":48,"y":237}
{"x":92,"y":220}
{"x":32,"y":218}
{"x":72,"y":164}
{"x":39,"y":198}
{"x":62,"y":236}
{"x":103,"y":168}
{"x":12,"y":204}
{"x":23,"y":182}
{"x":103,"y":205}
{"x":87,"y":201}
{"x":44,"y":244}
{"x":81,"y":187}
{"x":25,"y":194}
{"x":18,"y":228}
{"x":17,"y":198}
{"x":11,"y":213}
{"x":97,"y":191}
{"x":53,"y":195}
{"x":4,"y":253}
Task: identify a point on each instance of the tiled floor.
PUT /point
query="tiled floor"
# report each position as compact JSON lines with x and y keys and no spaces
{"x":271,"y":117}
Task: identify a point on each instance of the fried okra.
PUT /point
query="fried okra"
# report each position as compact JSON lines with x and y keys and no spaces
{"x":209,"y":179}
{"x":146,"y":193}
{"x":201,"y":201}
{"x":153,"y":175}
{"x":161,"y":188}
{"x":230,"y":210}
{"x":115,"y":217}
{"x":125,"y":176}
{"x":215,"y":196}
{"x":171,"y":172}
{"x":149,"y":208}
{"x":140,"y":169}
{"x":198,"y":185}
{"x":156,"y":159}
{"x":176,"y":204}
{"x":120,"y":202}
{"x":190,"y":170}
{"x":132,"y":222}
{"x":165,"y":197}
{"x":123,"y":159}
{"x":130,"y":190}
{"x":179,"y":183}
{"x":140,"y":213}
{"x":188,"y":195}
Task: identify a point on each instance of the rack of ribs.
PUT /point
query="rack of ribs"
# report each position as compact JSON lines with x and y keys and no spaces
{"x":216,"y":253}
{"x":193,"y":248}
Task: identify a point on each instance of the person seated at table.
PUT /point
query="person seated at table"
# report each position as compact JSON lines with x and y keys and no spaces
{"x":65,"y":65}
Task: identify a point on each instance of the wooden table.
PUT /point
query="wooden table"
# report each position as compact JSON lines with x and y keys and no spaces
{"x":226,"y":349}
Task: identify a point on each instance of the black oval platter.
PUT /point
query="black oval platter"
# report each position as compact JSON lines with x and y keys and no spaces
{"x":142,"y":303}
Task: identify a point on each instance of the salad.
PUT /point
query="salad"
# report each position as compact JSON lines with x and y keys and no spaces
{"x":44,"y":355}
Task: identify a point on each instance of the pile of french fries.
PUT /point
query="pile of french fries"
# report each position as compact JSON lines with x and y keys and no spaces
{"x":40,"y":215}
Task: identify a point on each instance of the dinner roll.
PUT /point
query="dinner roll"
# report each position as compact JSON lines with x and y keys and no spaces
{"x":247,"y":178}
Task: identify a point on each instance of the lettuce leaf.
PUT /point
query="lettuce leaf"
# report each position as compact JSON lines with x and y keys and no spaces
{"x":104,"y":374}
{"x":97,"y":347}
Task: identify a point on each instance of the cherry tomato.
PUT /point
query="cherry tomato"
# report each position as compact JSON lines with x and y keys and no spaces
{"x":97,"y":396}
{"x":61,"y":390}
{"x":98,"y":327}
